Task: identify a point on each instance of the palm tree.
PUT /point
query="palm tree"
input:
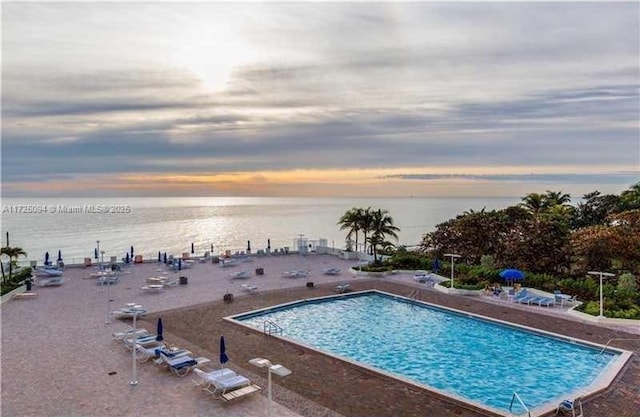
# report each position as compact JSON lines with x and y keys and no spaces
{"x":381,"y":227}
{"x":13,"y":254}
{"x":534,"y":203}
{"x":556,"y":198}
{"x":351,"y":220}
{"x":365,"y":223}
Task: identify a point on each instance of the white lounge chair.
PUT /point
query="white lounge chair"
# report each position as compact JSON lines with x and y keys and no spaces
{"x":422,"y":277}
{"x":230,"y":387}
{"x":342,"y":288}
{"x":240,"y":275}
{"x":52,"y":281}
{"x":206,"y":378}
{"x":130,"y":334}
{"x":332,"y":271}
{"x":153,"y":288}
{"x":249,"y":288}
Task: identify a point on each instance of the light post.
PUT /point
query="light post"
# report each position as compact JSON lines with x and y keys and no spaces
{"x":275,"y":369}
{"x":601,"y":274}
{"x":453,"y":258}
{"x":107,"y":283}
{"x":136,"y":309}
{"x":98,"y":255}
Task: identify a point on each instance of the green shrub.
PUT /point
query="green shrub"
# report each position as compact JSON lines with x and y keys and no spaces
{"x":487,"y":261}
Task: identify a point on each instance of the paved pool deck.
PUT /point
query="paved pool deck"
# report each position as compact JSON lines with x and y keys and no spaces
{"x":59,"y":357}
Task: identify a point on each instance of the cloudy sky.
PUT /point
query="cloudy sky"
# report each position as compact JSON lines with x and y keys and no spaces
{"x":359,"y":99}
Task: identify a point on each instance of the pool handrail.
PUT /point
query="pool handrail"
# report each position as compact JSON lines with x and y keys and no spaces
{"x":516,"y":396}
{"x":269,"y":326}
{"x":604,"y":348}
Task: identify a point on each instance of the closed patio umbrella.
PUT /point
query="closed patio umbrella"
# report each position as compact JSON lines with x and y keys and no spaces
{"x":436,"y":265}
{"x":46,"y":258}
{"x":59,"y":255}
{"x":223,"y":352}
{"x":248,"y":246}
{"x":159,"y":257}
{"x":126,"y":258}
{"x":269,"y":244}
{"x":159,"y":329}
{"x":164,"y":257}
{"x":95,"y":253}
{"x":193,"y":249}
{"x":131,"y":251}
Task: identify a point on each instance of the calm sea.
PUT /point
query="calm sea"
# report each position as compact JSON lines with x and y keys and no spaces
{"x":172,"y":224}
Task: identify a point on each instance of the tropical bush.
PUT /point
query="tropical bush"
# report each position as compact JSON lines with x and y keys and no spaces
{"x":17,"y":279}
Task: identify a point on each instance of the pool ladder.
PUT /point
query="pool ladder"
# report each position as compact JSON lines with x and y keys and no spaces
{"x":269,"y":327}
{"x":620,"y":339}
{"x":517,"y":397}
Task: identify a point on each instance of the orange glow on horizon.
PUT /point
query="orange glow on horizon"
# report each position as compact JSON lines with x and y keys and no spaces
{"x":303,"y":182}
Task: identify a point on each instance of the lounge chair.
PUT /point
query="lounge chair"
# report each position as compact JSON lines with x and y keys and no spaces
{"x":153,"y":288}
{"x":128,"y":334}
{"x":249,"y":288}
{"x":207,"y":378}
{"x":44,"y":281}
{"x":422,"y":277}
{"x":143,"y":354}
{"x":146,"y":341}
{"x":181,"y":365}
{"x":342,"y":288}
{"x":332,"y":271}
{"x":542,"y":301}
{"x":240,"y":275}
{"x":228,"y":387}
{"x":295,"y":274}
{"x":573,"y":406}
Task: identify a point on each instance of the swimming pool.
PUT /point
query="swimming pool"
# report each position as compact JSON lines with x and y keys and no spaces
{"x":465,"y":356}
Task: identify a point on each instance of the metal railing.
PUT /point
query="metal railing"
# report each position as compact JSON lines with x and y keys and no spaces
{"x":269,"y":327}
{"x":617,"y":339}
{"x":517,"y":397}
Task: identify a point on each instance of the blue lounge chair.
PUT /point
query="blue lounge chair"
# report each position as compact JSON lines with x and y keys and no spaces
{"x":181,"y":365}
{"x":575,"y":407}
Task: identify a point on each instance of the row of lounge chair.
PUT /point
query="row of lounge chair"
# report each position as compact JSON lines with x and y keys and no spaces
{"x":523,"y":297}
{"x":223,"y":383}
{"x":148,"y":348}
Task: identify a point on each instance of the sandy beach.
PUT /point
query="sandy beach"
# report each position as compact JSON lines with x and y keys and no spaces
{"x":59,"y":357}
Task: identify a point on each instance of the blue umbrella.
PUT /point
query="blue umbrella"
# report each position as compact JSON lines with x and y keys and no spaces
{"x":436,"y":265}
{"x":223,"y":352}
{"x":159,"y":337}
{"x":192,"y":248}
{"x":46,"y":258}
{"x":126,"y":258}
{"x":59,"y":255}
{"x":512,"y":274}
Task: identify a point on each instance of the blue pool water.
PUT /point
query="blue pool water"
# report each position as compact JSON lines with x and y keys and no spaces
{"x":473,"y":358}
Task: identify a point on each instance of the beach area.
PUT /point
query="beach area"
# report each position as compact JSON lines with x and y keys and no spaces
{"x":59,"y":356}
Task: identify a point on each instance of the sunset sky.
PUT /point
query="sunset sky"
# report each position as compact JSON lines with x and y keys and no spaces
{"x":319,"y":99}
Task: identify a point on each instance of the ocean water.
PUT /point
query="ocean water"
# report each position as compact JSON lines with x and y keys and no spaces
{"x":73,"y":225}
